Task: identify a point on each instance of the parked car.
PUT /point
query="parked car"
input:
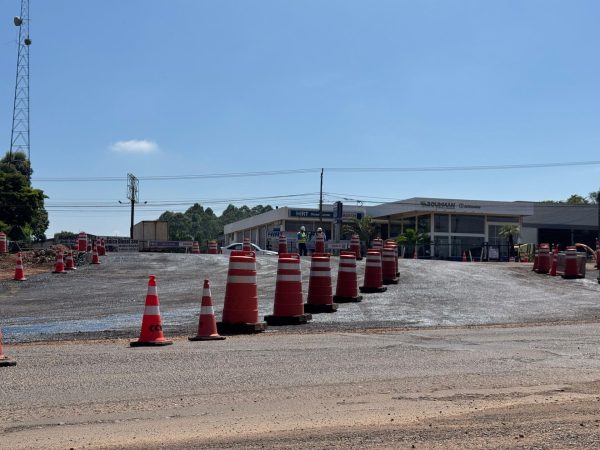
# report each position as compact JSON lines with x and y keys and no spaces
{"x":238,"y":246}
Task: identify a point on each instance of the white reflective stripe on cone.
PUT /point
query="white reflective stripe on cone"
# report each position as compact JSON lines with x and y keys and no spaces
{"x":206,"y":292}
{"x":373,"y":264}
{"x":289,"y":266}
{"x":242,"y":265}
{"x":152,"y":290}
{"x":289,"y":277}
{"x":152,"y":311}
{"x":240,"y":279}
{"x":205,"y":310}
{"x":320,"y":273}
{"x":320,"y":264}
{"x":347,"y":269}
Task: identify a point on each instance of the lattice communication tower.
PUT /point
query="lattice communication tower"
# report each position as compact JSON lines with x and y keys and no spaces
{"x":19,"y":137}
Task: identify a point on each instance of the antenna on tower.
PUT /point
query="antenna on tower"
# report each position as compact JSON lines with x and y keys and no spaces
{"x":19,"y":137}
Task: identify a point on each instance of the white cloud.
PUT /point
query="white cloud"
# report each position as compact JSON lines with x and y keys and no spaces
{"x":134,"y":146}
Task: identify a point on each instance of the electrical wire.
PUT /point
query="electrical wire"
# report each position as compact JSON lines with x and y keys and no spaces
{"x":328,"y":169}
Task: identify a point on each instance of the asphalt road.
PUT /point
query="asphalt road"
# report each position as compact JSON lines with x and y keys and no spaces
{"x":491,"y":387}
{"x":108,"y":300}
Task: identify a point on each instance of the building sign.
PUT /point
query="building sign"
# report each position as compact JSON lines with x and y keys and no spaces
{"x":449,"y":205}
{"x":312,"y":214}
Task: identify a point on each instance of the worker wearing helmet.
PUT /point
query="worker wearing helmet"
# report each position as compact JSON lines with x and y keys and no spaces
{"x":301,"y":236}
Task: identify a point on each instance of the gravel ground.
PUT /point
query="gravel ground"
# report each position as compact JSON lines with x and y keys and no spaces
{"x":107,"y":301}
{"x":458,"y":355}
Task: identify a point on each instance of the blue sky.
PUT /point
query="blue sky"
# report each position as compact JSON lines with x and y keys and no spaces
{"x":179,"y":87}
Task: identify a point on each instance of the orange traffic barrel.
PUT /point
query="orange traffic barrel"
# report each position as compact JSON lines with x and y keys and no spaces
{"x":282,"y":243}
{"x":346,"y":289}
{"x":377,"y":244}
{"x":373,"y":281}
{"x":195,"y":248}
{"x":288,"y":308}
{"x":571,"y":269}
{"x":240,"y":309}
{"x":247,"y":246}
{"x":554,"y":265}
{"x":388,"y":266}
{"x":320,"y":243}
{"x":320,"y":291}
{"x":355,"y":246}
{"x":101,"y":248}
{"x":3,"y":243}
{"x":393,"y":244}
{"x":212,"y":248}
{"x":151,"y":333}
{"x":82,"y":242}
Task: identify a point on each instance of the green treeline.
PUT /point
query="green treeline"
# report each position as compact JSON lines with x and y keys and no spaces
{"x":201,"y":225}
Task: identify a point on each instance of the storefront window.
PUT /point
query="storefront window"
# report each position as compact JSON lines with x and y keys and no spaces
{"x":424,"y":224}
{"x":441,"y":223}
{"x":468,"y":224}
{"x":408,"y":222}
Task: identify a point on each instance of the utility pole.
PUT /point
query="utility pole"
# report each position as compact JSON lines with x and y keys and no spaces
{"x":133,"y":194}
{"x":321,"y":202}
{"x":19,"y":136}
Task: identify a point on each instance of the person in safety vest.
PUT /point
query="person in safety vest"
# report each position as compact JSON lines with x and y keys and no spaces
{"x":302,"y":237}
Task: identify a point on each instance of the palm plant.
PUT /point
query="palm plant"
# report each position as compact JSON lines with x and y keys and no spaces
{"x":508,"y":232}
{"x":412,"y":237}
{"x":364,"y":227}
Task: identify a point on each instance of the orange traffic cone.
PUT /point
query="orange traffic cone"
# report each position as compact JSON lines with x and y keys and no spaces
{"x":152,"y":332}
{"x":19,"y":271}
{"x":70,"y":262}
{"x":464,"y":258}
{"x":288,"y":308}
{"x":4,"y":361}
{"x":95,"y":258}
{"x":207,"y":325}
{"x":59,"y":266}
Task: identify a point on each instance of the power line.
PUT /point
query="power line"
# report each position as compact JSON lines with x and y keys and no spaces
{"x":327,"y":169}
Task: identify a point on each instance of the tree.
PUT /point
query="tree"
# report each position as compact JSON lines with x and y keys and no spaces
{"x":577,"y":200}
{"x":22,"y":211}
{"x":364,"y":227}
{"x":202,"y":225}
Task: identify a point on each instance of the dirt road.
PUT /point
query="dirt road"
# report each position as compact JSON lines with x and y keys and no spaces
{"x":483,"y":387}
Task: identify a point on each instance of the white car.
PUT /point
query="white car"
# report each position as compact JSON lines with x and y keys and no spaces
{"x":238,"y":246}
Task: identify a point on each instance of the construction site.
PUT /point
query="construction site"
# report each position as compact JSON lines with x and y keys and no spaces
{"x":448,"y":354}
{"x":248,"y":310}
